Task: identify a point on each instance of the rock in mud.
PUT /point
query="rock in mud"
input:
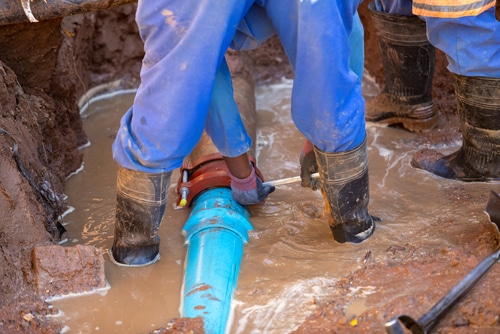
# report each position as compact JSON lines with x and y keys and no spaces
{"x":61,"y":271}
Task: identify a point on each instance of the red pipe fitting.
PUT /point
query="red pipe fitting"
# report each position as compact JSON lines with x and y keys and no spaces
{"x":208,"y":172}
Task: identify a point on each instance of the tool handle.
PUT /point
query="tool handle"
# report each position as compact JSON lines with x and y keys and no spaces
{"x":287,"y":180}
{"x":467,"y":283}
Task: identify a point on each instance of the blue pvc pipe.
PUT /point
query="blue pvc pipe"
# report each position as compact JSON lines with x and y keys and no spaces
{"x":216,"y":232}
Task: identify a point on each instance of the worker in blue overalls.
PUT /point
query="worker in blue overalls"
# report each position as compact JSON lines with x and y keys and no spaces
{"x":186,"y":88}
{"x":469,"y":35}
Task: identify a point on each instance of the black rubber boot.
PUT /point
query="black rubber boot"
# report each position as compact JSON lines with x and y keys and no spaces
{"x":344,"y":179}
{"x":478,"y":105}
{"x":141,"y":199}
{"x":408,"y":60}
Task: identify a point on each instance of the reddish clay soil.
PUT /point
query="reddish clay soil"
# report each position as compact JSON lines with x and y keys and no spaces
{"x":46,"y":67}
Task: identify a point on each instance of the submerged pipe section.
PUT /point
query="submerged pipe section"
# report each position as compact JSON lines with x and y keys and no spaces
{"x":216,"y":232}
{"x":25,"y":11}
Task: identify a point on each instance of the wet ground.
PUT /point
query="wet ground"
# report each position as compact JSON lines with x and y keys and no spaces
{"x":433,"y":232}
{"x":39,"y":113}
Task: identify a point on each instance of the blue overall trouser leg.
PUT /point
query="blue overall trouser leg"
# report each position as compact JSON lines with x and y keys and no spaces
{"x":185,"y":43}
{"x":327,"y":107}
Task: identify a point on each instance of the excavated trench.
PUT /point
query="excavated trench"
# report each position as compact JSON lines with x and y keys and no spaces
{"x":48,"y":66}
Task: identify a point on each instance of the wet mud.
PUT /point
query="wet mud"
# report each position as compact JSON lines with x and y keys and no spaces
{"x":40,"y":127}
{"x":291,"y":264}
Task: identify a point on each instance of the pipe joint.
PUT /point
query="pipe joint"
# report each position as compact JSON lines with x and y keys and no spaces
{"x":216,"y":209}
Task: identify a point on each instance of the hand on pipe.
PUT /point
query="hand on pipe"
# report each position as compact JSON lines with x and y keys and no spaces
{"x":246,"y":186}
{"x":250,"y":190}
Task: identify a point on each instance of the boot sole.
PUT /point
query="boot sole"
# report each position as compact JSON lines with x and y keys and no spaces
{"x":121,"y":264}
{"x":413,"y":125}
{"x":426,"y":121}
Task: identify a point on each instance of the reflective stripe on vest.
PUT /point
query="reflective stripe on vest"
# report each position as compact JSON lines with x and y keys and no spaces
{"x":451,"y":8}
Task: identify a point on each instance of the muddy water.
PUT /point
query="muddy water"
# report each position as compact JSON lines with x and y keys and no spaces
{"x":291,"y":261}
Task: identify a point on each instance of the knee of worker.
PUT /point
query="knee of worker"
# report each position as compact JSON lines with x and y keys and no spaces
{"x":129,"y":160}
{"x":471,"y":44}
{"x":132,"y":156}
{"x":345,"y":141}
{"x":151,"y":150}
{"x":231,"y":146}
{"x":150,"y":162}
{"x":228,"y":134}
{"x":335,"y":131}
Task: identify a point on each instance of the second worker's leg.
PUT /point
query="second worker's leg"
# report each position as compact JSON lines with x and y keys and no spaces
{"x":408,"y":60}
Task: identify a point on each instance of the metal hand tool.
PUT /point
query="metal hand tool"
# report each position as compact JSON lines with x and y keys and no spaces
{"x":287,"y":180}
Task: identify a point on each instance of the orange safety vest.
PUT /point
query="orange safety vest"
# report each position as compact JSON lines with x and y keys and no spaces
{"x":451,"y":8}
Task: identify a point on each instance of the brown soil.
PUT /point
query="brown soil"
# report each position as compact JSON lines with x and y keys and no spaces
{"x":46,"y":67}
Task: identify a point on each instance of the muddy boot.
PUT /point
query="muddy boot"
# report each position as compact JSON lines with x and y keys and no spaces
{"x":478,"y":106}
{"x":141,"y":199}
{"x":344,"y":178}
{"x":408,"y":60}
